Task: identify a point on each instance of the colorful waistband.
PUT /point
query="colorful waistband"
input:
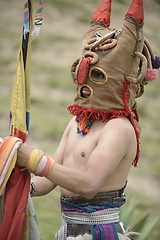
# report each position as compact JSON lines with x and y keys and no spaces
{"x":100,"y":221}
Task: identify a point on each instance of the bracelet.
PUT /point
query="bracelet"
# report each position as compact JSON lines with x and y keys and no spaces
{"x":44,"y":166}
{"x":39,"y":164}
{"x":34,"y":159}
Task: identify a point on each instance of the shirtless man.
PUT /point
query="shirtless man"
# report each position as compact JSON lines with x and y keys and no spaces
{"x":97,"y":162}
{"x":101,"y":142}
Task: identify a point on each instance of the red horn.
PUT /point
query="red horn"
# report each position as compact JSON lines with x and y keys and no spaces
{"x":136,"y":11}
{"x":103,"y":12}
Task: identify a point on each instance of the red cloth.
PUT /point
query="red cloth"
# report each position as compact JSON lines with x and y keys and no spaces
{"x":15,"y":205}
{"x":82,"y":72}
{"x":19,"y":134}
{"x":103,"y":12}
{"x":136,"y":11}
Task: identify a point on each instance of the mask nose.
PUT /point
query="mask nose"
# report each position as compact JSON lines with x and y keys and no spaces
{"x":88,"y":58}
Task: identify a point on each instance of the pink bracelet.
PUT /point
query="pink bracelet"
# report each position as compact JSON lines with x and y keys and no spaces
{"x":44,"y":166}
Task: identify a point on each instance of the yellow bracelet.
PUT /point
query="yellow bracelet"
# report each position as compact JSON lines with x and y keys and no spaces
{"x":34,"y":159}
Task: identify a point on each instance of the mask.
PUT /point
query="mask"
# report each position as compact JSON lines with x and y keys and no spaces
{"x":113,"y":68}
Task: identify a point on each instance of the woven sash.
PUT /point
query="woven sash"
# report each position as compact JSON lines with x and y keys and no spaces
{"x":105,"y":216}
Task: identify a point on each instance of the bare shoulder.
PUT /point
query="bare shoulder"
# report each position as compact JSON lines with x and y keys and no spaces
{"x":119,"y":127}
{"x":118,"y":133}
{"x":69,"y":126}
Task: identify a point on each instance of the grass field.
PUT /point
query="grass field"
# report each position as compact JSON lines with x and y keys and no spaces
{"x":52,"y":90}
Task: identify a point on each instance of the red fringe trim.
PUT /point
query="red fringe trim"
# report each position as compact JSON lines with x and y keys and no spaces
{"x":103,"y":116}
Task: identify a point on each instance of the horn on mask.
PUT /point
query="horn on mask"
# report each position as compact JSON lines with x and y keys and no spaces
{"x":102,"y":14}
{"x":136,"y":11}
{"x":136,"y":15}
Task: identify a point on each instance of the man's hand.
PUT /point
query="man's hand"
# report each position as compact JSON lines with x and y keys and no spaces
{"x":23,"y":155}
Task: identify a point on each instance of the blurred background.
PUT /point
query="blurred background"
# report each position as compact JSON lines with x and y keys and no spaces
{"x":59,"y":44}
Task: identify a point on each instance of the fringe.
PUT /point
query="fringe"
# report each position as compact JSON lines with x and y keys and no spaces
{"x":104,"y":116}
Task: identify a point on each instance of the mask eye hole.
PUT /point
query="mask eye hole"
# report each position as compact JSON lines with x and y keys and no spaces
{"x":98,"y":75}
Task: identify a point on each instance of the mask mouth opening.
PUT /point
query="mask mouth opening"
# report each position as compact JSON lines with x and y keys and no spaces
{"x":85,"y":92}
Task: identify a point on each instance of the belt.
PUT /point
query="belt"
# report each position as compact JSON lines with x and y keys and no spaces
{"x":102,"y":197}
{"x":106,"y":216}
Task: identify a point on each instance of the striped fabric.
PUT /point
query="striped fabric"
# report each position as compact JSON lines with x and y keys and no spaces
{"x":38,"y":19}
{"x":110,"y":215}
{"x":27,"y":16}
{"x":89,"y":221}
{"x":8,"y":155}
{"x":26,"y":25}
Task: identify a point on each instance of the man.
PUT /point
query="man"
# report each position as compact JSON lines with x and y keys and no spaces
{"x":101,"y":142}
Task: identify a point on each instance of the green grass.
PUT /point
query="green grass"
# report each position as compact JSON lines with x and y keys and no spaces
{"x":140,"y":219}
{"x":48,"y":214}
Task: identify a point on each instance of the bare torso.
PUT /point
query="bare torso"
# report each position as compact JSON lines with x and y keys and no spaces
{"x":78,"y":150}
{"x":85,"y":165}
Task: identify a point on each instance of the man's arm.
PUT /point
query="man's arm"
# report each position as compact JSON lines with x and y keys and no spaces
{"x":42,"y":185}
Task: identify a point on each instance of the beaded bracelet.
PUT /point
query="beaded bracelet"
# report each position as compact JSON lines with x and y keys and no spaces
{"x":39,"y":164}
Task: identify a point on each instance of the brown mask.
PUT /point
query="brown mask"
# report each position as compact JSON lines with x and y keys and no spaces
{"x":110,"y":74}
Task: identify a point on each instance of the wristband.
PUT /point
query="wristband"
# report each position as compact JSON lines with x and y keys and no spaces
{"x":39,"y":164}
{"x":44,"y":166}
{"x":34,"y":159}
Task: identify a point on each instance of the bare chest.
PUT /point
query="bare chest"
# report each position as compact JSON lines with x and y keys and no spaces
{"x":79,"y":148}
